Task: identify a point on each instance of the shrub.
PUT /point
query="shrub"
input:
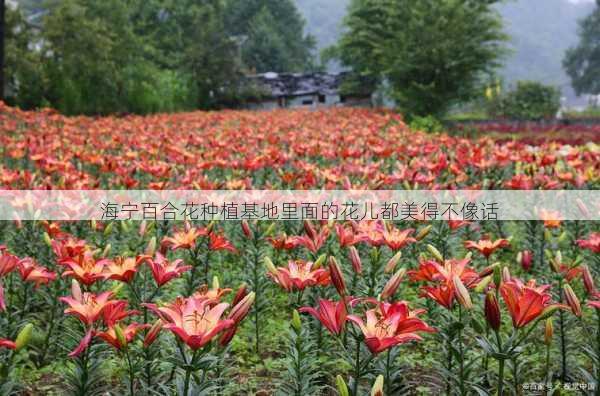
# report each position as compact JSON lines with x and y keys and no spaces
{"x":426,"y":124}
{"x":530,"y":100}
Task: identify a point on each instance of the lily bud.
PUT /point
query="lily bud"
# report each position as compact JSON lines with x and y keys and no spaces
{"x":492,"y":311}
{"x":106,"y":250}
{"x":498,"y":275}
{"x":391,"y":265}
{"x":143,"y":228}
{"x":562,"y":237}
{"x":505,"y":274}
{"x":489,"y":270}
{"x":461,"y":293}
{"x":320,"y":260}
{"x":588,"y":280}
{"x":548,"y":332}
{"x":309,"y":229}
{"x":296,"y":323}
{"x":572,"y":300}
{"x":270,"y":229}
{"x":242,"y":292}
{"x":337,"y":278}
{"x":241,"y":309}
{"x":355,"y":259}
{"x":270,"y":266}
{"x":151,"y":247}
{"x":483,"y":284}
{"x":377,"y":389}
{"x":125,"y":226}
{"x":435,"y":253}
{"x":423,"y":233}
{"x":23,"y":337}
{"x":93,"y":224}
{"x":47,"y":239}
{"x":153,"y":333}
{"x":215,"y":283}
{"x":108,"y":229}
{"x":341,"y":386}
{"x":246,"y":229}
{"x":548,"y":312}
{"x":76,"y":290}
{"x":120,"y":335}
{"x":525,"y":258}
{"x":392,"y":285}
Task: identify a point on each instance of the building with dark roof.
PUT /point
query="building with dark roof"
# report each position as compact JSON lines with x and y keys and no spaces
{"x":312,"y":90}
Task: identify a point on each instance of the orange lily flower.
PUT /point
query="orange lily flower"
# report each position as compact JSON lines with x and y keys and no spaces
{"x":347,"y":236}
{"x":163,"y":270}
{"x":185,"y":239}
{"x":389,"y":325}
{"x":30,"y":271}
{"x":193,"y":320}
{"x":526,"y":302}
{"x":282,"y":242}
{"x":129,"y":332}
{"x":331,"y":314}
{"x":121,"y":268}
{"x":551,"y":219}
{"x":396,"y":239}
{"x":299,"y":274}
{"x":85,"y":268}
{"x":486,"y":246}
{"x":87,"y":306}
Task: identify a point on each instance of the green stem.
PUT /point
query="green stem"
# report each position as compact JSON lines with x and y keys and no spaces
{"x":131,"y":372}
{"x":500,"y":377}
{"x":356,"y":369}
{"x":461,"y":354}
{"x":387,"y":372}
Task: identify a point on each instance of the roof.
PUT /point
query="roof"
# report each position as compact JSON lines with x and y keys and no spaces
{"x":299,"y":84}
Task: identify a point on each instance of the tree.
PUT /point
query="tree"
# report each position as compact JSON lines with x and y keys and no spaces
{"x":432,"y":54}
{"x":582,"y":63}
{"x":272,"y":33}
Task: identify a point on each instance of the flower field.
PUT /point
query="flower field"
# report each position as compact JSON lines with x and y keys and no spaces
{"x":292,"y":307}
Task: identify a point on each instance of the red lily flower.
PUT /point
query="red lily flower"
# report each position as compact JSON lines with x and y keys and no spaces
{"x":85,"y":268}
{"x":87,"y":306}
{"x":526,"y":302}
{"x":486,"y":246}
{"x":312,"y":243}
{"x":115,"y":312}
{"x":30,"y":271}
{"x":389,"y":325}
{"x":193,"y":320}
{"x":219,"y":242}
{"x":121,"y":268}
{"x":347,"y":236}
{"x":163,"y":270}
{"x":8,"y":262}
{"x":68,"y":249}
{"x":592,"y":243}
{"x":4,"y":343}
{"x":396,"y":239}
{"x":331,"y":314}
{"x":282,"y":242}
{"x":299,"y":275}
{"x":442,"y":294}
{"x":129,"y":332}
